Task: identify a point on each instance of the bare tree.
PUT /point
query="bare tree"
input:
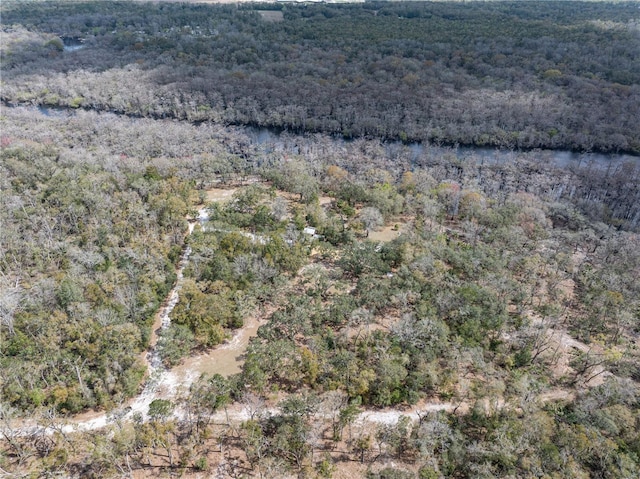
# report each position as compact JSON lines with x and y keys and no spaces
{"x":11,"y":297}
{"x":371,"y":218}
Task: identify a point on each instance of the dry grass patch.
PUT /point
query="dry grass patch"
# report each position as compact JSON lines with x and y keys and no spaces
{"x":271,"y":16}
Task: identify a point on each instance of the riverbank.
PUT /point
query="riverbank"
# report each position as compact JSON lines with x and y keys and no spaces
{"x":265,"y":135}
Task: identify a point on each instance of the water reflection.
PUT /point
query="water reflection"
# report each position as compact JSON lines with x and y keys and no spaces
{"x":420,"y":153}
{"x":71,"y":44}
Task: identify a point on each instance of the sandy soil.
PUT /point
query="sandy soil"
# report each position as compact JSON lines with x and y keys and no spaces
{"x":386,"y":234}
{"x":226,"y":359}
{"x":325,"y":200}
{"x":220,"y":194}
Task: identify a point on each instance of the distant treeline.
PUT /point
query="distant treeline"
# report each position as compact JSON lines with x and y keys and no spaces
{"x":509,"y":74}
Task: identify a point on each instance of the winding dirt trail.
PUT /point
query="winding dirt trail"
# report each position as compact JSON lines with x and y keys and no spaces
{"x":227,"y":359}
{"x":162,"y":383}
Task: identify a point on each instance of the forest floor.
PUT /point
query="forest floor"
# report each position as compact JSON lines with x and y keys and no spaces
{"x":229,"y":460}
{"x":227,"y":359}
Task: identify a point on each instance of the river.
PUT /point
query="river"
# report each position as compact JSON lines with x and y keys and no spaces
{"x":71,"y":44}
{"x":419,"y":154}
{"x":163,"y":383}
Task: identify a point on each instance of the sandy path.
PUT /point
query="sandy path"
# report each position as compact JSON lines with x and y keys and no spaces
{"x":565,"y":349}
{"x":227,"y":359}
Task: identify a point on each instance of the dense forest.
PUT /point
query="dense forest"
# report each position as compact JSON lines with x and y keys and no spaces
{"x":510,"y":74}
{"x":493,"y":302}
{"x":415,"y":313}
